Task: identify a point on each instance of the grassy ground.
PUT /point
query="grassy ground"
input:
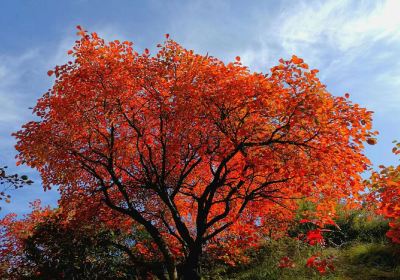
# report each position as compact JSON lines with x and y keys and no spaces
{"x":368,"y":261}
{"x":363,"y":261}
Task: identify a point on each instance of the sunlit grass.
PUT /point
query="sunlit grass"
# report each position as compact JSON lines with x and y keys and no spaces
{"x":363,"y":261}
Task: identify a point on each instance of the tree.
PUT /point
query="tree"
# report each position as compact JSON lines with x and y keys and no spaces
{"x":46,"y":244}
{"x":12,"y":234}
{"x":385,"y":195}
{"x":191,"y":148}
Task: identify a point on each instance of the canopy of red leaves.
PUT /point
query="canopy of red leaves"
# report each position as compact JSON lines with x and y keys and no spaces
{"x":194,"y":149}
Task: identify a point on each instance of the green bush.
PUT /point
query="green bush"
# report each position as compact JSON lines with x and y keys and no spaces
{"x":360,"y":225}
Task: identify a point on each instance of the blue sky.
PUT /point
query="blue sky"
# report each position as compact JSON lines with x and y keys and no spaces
{"x":354,"y":44}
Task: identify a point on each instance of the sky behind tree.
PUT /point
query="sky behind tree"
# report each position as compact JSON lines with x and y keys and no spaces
{"x":354,"y":44}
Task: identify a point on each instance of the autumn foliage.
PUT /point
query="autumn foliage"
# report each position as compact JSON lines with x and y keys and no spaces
{"x":13,"y":232}
{"x":50,"y":244}
{"x":200,"y":153}
{"x":385,"y":195}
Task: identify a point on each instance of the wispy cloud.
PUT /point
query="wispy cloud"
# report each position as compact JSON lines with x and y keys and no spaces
{"x":317,"y":28}
{"x":12,"y":72}
{"x":341,"y":24}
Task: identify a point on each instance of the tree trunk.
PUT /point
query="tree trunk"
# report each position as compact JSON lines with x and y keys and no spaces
{"x":191,"y":271}
{"x":191,"y":267}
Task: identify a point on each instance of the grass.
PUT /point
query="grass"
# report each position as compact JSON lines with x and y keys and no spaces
{"x":363,"y":261}
{"x":369,"y":261}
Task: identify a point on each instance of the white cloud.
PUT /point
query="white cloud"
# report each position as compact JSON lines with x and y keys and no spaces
{"x":11,"y":67}
{"x":341,"y":24}
{"x":315,"y":29}
{"x":354,"y":44}
{"x":12,"y":71}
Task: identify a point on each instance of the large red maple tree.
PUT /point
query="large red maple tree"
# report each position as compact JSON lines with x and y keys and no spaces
{"x":195,"y":150}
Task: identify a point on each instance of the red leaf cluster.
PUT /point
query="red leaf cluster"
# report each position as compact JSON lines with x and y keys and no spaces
{"x":322,"y":265}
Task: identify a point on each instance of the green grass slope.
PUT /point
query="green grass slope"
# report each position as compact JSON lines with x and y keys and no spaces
{"x":357,"y":260}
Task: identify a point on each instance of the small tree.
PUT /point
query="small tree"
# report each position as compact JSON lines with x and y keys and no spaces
{"x":191,"y":148}
{"x":50,"y":244}
{"x":385,"y":195}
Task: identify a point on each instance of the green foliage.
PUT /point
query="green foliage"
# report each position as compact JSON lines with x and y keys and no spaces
{"x":353,"y":225}
{"x":370,"y":254}
{"x":360,"y":261}
{"x":360,"y":225}
{"x":86,"y":253}
{"x":264,"y":262}
{"x":369,"y":261}
{"x":359,"y":245}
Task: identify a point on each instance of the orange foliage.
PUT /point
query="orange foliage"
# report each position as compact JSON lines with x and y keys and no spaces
{"x":13,"y":232}
{"x":385,"y":195}
{"x":191,"y":148}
